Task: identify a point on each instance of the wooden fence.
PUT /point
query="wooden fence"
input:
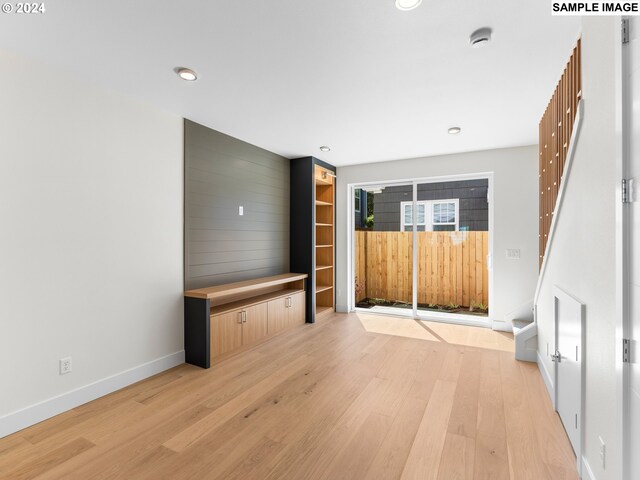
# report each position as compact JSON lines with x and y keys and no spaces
{"x":452,"y":267}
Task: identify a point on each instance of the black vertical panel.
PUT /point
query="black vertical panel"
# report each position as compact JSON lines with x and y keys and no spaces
{"x":197,"y":332}
{"x":302,"y":227}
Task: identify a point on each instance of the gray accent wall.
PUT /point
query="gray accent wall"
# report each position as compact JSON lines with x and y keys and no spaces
{"x":221,"y":174}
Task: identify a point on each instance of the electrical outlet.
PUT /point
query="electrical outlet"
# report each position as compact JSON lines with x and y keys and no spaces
{"x":65,"y":365}
{"x":603,"y":453}
{"x":241,"y":210}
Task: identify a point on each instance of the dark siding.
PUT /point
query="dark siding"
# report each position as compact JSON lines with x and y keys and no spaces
{"x":472,"y":195}
{"x":360,"y":217}
{"x":222,"y":173}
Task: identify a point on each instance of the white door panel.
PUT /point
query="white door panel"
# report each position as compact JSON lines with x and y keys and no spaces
{"x":634,"y":425}
{"x":569,"y":324}
{"x":634,"y":244}
{"x":634,"y":364}
{"x":633,"y":228}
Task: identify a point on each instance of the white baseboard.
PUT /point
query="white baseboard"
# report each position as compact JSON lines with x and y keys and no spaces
{"x":587,"y":473}
{"x":501,"y":326}
{"x":33,"y":414}
{"x":546,"y":376}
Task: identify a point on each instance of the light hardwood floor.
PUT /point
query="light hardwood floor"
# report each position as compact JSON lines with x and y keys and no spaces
{"x":353,"y":397}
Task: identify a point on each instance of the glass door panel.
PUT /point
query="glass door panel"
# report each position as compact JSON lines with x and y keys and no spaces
{"x":383,"y":248}
{"x":452,"y":248}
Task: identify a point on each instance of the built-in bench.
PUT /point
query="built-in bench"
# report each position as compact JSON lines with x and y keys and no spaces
{"x":225,"y":319}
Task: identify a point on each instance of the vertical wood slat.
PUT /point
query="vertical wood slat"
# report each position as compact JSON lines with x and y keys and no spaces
{"x":452,"y":266}
{"x":554,"y":132}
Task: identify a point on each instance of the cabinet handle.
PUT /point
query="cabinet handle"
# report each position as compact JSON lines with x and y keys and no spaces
{"x":244,"y":316}
{"x":240,"y":317}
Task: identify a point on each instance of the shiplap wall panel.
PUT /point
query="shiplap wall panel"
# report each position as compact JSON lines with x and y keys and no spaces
{"x":555,"y":130}
{"x":222,"y":173}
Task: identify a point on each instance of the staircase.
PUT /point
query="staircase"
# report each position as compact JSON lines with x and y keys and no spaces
{"x":525,"y":332}
{"x":523,"y":319}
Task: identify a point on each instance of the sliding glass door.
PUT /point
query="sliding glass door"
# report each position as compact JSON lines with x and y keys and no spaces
{"x":383,"y":250}
{"x":447,"y":274}
{"x":452,"y":247}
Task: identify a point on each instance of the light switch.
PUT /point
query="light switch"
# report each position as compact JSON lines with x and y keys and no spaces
{"x":240,"y":210}
{"x":513,"y":253}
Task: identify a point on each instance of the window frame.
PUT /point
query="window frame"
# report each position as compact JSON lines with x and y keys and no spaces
{"x":456,"y":203}
{"x":403,"y":225}
{"x":428,"y":214}
{"x":357,"y":199}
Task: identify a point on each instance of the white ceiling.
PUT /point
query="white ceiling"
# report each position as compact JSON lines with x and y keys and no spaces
{"x":370,"y":81}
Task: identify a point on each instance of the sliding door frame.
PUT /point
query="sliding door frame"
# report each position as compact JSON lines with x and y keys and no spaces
{"x":414,"y":313}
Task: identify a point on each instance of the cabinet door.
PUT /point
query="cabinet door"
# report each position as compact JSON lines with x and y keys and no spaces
{"x":226,"y":332}
{"x":296,"y":309}
{"x":278,"y":315}
{"x":255,"y":326}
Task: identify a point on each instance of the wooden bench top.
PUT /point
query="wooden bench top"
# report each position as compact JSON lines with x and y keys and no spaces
{"x":245,"y":286}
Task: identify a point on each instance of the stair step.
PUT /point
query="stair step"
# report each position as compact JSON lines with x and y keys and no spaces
{"x":519,"y":325}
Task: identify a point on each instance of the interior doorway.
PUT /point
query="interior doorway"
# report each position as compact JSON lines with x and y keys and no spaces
{"x":422,"y":248}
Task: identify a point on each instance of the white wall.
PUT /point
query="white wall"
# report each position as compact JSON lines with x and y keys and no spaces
{"x":515,"y":222}
{"x":90,"y":239}
{"x":582,"y":258}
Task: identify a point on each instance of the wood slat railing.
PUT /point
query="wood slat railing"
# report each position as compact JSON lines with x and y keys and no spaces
{"x":555,"y":130}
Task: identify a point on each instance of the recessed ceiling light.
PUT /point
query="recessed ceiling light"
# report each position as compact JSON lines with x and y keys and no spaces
{"x":480,"y":37}
{"x":187,"y":74}
{"x":407,"y":4}
{"x":324,"y":148}
{"x":454,"y":130}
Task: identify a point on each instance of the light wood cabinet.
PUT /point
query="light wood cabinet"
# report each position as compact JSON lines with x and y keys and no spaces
{"x":226,"y":332}
{"x":255,"y":323}
{"x":297,"y":309}
{"x":225,"y":319}
{"x":278,"y":315}
{"x":286,"y":312}
{"x":232,"y":330}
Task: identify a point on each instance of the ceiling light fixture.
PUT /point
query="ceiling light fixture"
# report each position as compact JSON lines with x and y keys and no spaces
{"x":186,"y":74}
{"x":324,"y":148}
{"x":454,"y":130}
{"x":405,"y":5}
{"x":480,"y":37}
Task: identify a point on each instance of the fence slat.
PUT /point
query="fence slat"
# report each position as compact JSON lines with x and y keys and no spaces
{"x":452,"y":266}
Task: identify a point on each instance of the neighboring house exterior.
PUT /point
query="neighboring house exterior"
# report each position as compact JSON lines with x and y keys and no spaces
{"x":445,"y":206}
{"x":360,"y":208}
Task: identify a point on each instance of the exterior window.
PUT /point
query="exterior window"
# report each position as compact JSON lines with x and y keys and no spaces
{"x":357,"y":199}
{"x":406,"y":213}
{"x":432,"y":216}
{"x":445,"y":215}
